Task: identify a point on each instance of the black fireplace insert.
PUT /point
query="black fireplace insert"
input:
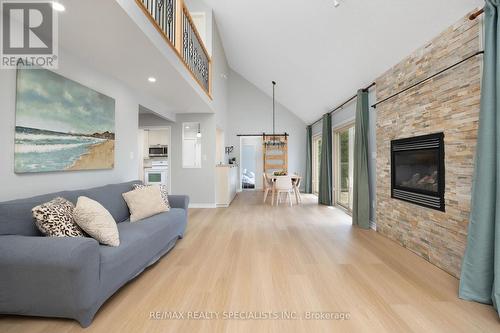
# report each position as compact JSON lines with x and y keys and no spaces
{"x":417,"y":170}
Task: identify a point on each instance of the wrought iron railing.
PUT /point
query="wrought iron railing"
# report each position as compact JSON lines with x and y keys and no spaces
{"x":172,"y":19}
{"x":163,"y":13}
{"x":194,"y":52}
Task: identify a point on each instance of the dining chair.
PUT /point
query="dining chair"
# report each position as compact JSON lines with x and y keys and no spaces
{"x":296,"y":189}
{"x":283,"y":184}
{"x":268,"y":186}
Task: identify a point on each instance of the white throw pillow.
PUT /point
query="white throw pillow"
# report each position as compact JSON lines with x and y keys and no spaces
{"x":144,"y":202}
{"x":96,"y":221}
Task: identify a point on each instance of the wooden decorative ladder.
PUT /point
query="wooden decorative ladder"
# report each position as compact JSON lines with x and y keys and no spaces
{"x":275,"y":154}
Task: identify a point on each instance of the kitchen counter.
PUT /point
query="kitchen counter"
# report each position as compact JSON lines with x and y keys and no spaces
{"x":226,"y":166}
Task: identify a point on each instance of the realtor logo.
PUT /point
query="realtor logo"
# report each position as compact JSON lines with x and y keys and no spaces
{"x":29,"y":34}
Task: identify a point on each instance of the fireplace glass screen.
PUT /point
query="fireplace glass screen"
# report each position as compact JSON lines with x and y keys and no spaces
{"x":417,"y":170}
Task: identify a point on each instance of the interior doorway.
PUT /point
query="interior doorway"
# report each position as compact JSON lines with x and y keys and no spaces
{"x":251,"y":163}
{"x":154,"y":155}
{"x":154,"y":138}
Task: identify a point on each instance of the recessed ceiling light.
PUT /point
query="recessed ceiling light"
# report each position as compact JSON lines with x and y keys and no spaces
{"x":58,"y":7}
{"x":151,"y":79}
{"x":336,"y":3}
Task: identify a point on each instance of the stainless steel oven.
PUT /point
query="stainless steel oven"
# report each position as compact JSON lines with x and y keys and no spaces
{"x":158,"y":151}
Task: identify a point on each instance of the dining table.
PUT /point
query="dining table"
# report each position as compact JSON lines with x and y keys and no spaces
{"x":294,"y":177}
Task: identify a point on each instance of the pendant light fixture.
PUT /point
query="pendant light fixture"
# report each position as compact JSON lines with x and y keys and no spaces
{"x":274,"y":112}
{"x":273,"y":141}
{"x":198,"y":135}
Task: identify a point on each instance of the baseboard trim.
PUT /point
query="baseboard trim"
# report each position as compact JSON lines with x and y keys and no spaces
{"x":202,"y":205}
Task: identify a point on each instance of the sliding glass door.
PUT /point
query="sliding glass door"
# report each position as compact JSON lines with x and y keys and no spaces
{"x":344,"y":166}
{"x":316,"y":158}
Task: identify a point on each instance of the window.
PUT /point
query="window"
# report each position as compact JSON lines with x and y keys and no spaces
{"x":316,"y":160}
{"x":344,"y":166}
{"x":191,"y":145}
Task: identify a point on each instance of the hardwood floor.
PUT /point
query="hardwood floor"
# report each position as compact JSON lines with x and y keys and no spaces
{"x":256,"y":258}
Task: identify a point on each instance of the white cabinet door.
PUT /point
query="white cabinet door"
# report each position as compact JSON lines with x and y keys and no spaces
{"x":163,"y":137}
{"x":154,"y":138}
{"x":158,"y":137}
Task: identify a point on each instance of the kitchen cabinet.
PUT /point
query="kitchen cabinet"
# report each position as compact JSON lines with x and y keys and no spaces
{"x":227,"y":184}
{"x":157,"y":137}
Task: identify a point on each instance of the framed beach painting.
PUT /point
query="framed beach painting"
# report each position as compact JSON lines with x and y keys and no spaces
{"x":61,"y":125}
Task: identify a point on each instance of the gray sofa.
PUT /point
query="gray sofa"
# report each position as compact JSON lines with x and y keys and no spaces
{"x":72,"y":277}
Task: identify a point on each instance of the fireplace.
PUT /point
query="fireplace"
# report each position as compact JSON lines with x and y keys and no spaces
{"x":417,"y":170}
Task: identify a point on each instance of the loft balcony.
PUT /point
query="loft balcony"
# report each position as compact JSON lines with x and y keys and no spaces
{"x":171,"y":18}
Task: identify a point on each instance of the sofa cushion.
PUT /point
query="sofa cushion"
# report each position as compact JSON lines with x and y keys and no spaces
{"x":140,"y":242}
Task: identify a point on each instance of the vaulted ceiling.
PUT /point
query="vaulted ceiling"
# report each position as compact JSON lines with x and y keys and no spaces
{"x":320,"y":54}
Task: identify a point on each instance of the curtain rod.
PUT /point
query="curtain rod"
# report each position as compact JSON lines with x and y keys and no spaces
{"x":346,"y":102}
{"x":263,"y":134}
{"x":428,"y":78}
{"x":474,"y":15}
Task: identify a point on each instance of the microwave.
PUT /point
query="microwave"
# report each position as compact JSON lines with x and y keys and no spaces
{"x":158,"y":151}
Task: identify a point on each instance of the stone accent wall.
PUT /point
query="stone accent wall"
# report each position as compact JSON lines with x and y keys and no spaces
{"x":448,"y":103}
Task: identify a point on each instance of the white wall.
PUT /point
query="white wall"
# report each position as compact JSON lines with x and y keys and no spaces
{"x":126,"y":122}
{"x":250,"y":112}
{"x":219,"y":147}
{"x":220,"y":80}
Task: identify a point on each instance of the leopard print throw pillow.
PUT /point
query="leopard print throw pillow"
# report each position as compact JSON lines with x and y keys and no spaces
{"x":163,"y":192}
{"x":55,"y":218}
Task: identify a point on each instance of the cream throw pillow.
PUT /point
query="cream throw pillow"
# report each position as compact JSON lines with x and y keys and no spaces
{"x":144,"y":202}
{"x":96,"y":221}
{"x":163,"y":191}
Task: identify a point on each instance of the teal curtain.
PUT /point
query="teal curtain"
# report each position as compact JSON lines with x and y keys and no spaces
{"x":325,"y":196}
{"x":308,"y":176}
{"x":480,"y":278}
{"x":361,"y":193}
